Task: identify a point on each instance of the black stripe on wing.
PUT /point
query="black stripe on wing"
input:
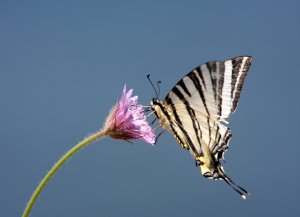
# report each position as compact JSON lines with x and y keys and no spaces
{"x":213,"y":79}
{"x":175,"y":133}
{"x":183,"y":86}
{"x":240,"y":68}
{"x":193,"y":76}
{"x":220,"y":82}
{"x":197,"y":84}
{"x":184,"y":132}
{"x":216,"y":71}
{"x":191,"y":112}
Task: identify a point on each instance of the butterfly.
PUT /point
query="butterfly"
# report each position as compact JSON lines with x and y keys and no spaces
{"x":195,"y":112}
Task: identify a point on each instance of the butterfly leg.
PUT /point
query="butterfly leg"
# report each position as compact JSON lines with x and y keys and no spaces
{"x":159,"y":136}
{"x":152,"y":122}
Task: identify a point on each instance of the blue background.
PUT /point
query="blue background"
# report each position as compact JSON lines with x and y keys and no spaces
{"x":63,"y":65}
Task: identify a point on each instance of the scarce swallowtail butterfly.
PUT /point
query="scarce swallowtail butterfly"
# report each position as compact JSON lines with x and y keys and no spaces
{"x":195,"y":112}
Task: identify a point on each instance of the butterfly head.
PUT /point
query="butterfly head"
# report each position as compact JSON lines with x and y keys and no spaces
{"x":155,"y":101}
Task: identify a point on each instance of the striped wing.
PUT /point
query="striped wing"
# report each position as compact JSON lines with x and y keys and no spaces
{"x":203,"y":98}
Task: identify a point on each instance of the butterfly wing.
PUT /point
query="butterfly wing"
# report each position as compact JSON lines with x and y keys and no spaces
{"x":207,"y":95}
{"x":197,"y":108}
{"x":195,"y":112}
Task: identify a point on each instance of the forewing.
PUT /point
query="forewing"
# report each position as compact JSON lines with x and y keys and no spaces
{"x":205,"y":97}
{"x":214,"y":87}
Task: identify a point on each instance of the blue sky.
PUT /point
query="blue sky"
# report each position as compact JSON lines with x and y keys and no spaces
{"x":63,"y":65}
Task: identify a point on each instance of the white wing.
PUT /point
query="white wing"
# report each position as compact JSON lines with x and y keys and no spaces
{"x":205,"y":97}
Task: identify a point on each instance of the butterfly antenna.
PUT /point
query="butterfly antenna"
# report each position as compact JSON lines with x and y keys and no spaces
{"x":148,"y":76}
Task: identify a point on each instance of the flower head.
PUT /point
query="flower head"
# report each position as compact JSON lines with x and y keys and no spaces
{"x":127,"y":120}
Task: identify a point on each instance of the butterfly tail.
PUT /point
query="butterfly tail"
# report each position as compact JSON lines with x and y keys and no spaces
{"x":244,"y":193}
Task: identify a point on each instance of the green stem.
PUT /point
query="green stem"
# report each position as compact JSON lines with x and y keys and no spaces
{"x":58,"y":164}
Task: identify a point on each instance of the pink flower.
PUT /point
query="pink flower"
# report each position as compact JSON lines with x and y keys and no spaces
{"x":127,"y":120}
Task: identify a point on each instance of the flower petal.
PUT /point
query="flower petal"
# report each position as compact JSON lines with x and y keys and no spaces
{"x":128,"y":121}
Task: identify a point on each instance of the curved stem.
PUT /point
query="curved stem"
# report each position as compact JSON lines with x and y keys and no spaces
{"x":58,"y":164}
